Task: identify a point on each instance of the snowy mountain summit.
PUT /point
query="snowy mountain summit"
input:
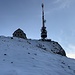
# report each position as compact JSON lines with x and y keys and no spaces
{"x":33,"y":57}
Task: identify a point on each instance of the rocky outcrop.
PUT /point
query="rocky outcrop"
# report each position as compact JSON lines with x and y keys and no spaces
{"x":52,"y":46}
{"x":57,"y":49}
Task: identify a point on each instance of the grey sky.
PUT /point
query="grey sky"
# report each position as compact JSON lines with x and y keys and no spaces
{"x":26,"y":14}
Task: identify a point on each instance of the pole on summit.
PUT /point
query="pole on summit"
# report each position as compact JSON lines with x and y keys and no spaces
{"x":43,"y":29}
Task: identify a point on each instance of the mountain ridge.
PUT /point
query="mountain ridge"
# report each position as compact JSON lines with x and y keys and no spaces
{"x":29,"y":57}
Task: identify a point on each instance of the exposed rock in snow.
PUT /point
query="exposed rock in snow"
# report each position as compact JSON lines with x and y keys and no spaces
{"x":58,"y":49}
{"x":52,"y":46}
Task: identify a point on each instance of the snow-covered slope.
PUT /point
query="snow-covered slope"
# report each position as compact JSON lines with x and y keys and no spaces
{"x":32,"y":57}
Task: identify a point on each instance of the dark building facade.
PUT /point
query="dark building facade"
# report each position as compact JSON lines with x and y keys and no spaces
{"x":20,"y":34}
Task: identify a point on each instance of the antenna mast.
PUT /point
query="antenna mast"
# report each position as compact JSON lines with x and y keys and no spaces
{"x":43,"y":21}
{"x":43,"y":29}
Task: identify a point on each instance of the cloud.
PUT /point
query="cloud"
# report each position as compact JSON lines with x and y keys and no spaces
{"x":63,"y":3}
{"x":70,"y":55}
{"x":70,"y":50}
{"x":59,"y":4}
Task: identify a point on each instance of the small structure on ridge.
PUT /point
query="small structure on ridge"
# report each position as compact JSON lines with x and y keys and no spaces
{"x":20,"y":34}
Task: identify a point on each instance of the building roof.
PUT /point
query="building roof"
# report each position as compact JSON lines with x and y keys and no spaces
{"x":19,"y":33}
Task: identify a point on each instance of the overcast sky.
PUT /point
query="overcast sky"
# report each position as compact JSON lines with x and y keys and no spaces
{"x":26,"y":14}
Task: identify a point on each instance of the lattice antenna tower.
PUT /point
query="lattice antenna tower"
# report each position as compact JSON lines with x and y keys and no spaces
{"x":43,"y":29}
